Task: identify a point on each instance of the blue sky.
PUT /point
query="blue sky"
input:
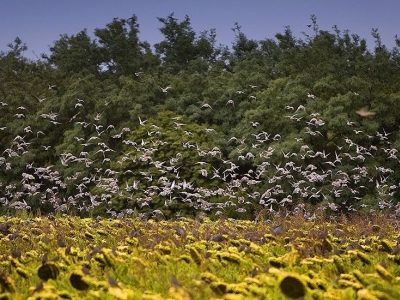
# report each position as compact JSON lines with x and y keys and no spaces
{"x":40,"y":22}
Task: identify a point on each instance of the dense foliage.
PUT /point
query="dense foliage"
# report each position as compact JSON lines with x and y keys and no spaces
{"x":107,"y":123}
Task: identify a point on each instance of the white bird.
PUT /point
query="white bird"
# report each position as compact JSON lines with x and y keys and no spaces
{"x":74,"y":117}
{"x":178,"y":125}
{"x":206,"y":105}
{"x":276,"y":137}
{"x":98,"y":127}
{"x":350,"y":123}
{"x":142,"y":122}
{"x":300,"y":107}
{"x":230,"y":102}
{"x":97,"y":117}
{"x":165,"y":90}
{"x":92,"y":138}
{"x":365,"y":112}
{"x":311,"y":96}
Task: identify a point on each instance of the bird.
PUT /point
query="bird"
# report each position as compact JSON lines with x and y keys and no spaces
{"x":97,"y":117}
{"x":311,"y":96}
{"x":165,"y":90}
{"x":74,"y":117}
{"x":365,"y":112}
{"x":350,"y":123}
{"x":206,"y":105}
{"x":142,"y":122}
{"x":230,"y":102}
{"x":139,"y":74}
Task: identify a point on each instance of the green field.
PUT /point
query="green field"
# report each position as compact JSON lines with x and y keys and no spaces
{"x":66,"y":257}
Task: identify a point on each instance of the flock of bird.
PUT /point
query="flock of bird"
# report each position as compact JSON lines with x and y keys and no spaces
{"x":277,"y":179}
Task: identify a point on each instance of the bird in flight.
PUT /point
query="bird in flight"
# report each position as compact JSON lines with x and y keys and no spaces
{"x":230,"y":102}
{"x":206,"y":105}
{"x":365,"y":112}
{"x":142,"y":122}
{"x":40,"y":99}
{"x":139,"y":74}
{"x":165,"y":90}
{"x":312,"y":96}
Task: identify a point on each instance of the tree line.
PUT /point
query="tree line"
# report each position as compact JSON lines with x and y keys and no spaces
{"x":109,"y":102}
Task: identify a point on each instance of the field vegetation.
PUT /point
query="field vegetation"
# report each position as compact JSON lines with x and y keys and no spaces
{"x":67,"y":257}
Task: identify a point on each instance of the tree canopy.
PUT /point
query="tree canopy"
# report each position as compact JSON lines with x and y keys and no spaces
{"x":109,"y":124}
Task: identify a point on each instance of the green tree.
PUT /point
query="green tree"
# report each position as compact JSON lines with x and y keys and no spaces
{"x":75,"y":54}
{"x":181,"y":46}
{"x":242,"y":47}
{"x":122,"y":51}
